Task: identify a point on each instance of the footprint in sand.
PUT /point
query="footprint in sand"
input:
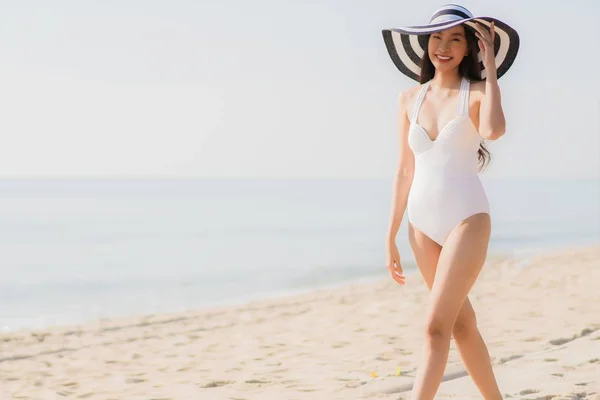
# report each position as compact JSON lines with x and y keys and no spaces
{"x":587,"y":331}
{"x":509,"y":358}
{"x":257,"y":381}
{"x":134,"y":380}
{"x":559,"y":341}
{"x":584,"y":332}
{"x":528,"y":391}
{"x":533,"y":339}
{"x":214,"y":384}
{"x":572,"y":396}
{"x":339,"y":345}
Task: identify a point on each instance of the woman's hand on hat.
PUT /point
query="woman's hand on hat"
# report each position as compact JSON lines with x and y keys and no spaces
{"x":486,"y":44}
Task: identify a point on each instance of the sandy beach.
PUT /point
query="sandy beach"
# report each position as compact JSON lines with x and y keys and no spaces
{"x":539,"y":315}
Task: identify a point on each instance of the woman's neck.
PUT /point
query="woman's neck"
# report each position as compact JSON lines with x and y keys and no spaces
{"x":446,"y":80}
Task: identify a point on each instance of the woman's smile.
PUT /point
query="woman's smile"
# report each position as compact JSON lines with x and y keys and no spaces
{"x":443,"y":59}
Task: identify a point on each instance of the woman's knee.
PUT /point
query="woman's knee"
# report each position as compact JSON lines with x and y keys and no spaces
{"x":438,"y":328}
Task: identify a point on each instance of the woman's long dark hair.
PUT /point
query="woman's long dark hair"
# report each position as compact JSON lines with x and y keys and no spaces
{"x":468,"y":68}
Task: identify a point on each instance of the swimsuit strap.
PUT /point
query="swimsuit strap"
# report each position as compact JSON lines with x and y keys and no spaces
{"x":463,"y":101}
{"x":417,"y":105}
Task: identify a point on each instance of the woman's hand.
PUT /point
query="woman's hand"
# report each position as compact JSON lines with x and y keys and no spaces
{"x":394,"y":265}
{"x":486,"y":45}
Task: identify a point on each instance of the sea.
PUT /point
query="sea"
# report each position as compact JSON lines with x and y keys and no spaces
{"x":74,"y":250}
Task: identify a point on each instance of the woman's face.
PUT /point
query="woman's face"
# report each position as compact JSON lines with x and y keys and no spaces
{"x":446,"y":49}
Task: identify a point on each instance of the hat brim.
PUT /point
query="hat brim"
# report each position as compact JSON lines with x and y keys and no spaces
{"x":406,"y":46}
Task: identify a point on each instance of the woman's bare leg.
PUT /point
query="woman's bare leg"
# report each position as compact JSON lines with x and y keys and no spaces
{"x":474,"y":353}
{"x":458,"y":266}
{"x":469,"y":342}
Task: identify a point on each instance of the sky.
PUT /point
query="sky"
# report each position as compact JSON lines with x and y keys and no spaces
{"x":269,"y":88}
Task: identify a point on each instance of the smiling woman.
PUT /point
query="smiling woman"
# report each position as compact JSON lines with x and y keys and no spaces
{"x":450,"y":49}
{"x":457,"y":63}
{"x":406,"y":45}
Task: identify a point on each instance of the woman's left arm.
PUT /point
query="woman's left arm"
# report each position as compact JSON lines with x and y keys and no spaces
{"x":492,"y":124}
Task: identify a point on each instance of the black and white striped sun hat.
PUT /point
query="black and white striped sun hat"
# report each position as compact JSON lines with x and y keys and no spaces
{"x":407,"y":45}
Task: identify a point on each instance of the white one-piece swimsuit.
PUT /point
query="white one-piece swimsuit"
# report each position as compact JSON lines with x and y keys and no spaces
{"x":446,"y":188}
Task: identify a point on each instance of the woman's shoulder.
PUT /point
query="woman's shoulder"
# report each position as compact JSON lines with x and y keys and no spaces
{"x":408,"y":96}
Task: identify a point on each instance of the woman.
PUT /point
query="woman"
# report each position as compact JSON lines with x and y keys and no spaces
{"x":458,"y":60}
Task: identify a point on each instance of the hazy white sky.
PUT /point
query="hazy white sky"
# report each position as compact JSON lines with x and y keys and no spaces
{"x":269,"y":88}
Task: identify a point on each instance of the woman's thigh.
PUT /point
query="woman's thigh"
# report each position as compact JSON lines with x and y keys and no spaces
{"x":426,"y":253}
{"x":459,"y":264}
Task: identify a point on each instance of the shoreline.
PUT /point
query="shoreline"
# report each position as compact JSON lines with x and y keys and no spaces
{"x":275,"y":295}
{"x":337,"y":343}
